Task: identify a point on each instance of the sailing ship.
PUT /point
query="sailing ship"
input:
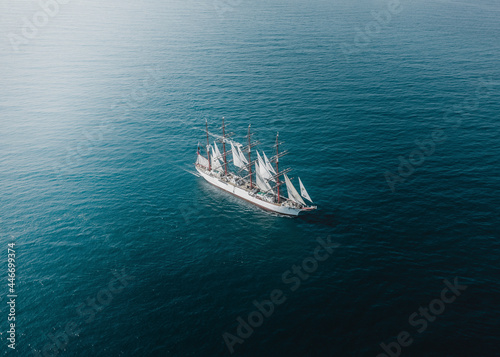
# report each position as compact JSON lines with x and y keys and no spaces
{"x":254,"y":180}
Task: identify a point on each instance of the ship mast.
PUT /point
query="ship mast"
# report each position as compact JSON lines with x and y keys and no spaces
{"x":224,"y":145}
{"x":250,"y":158}
{"x":208,"y":147}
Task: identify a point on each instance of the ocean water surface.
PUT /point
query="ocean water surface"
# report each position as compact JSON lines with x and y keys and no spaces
{"x":392,"y":125}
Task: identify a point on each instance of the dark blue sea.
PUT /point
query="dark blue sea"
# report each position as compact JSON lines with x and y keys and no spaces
{"x":390,"y":111}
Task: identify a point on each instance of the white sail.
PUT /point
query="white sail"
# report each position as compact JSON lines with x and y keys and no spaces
{"x":236,"y":157}
{"x":259,"y":158}
{"x":292,"y":192}
{"x":242,"y":158}
{"x":216,"y":164}
{"x":217,"y":152}
{"x":264,"y":172}
{"x":213,"y":162}
{"x":261,"y":183}
{"x":203,"y":161}
{"x":268,"y":164}
{"x":303,"y":191}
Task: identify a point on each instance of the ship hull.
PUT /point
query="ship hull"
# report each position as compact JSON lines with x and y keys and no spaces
{"x":241,"y":193}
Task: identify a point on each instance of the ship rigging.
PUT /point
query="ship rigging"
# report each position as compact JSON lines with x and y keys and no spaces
{"x":266,"y":190}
